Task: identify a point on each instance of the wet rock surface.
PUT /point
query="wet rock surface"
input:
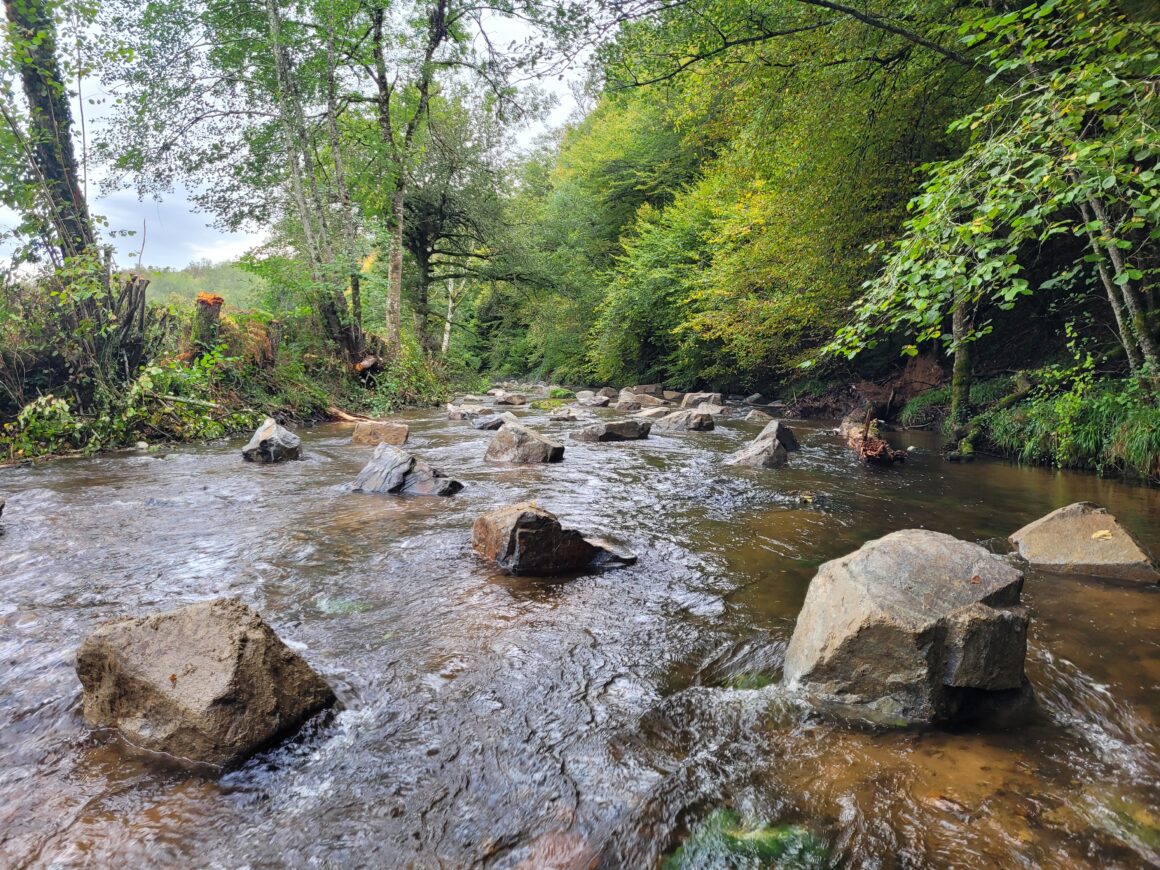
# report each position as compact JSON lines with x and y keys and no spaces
{"x":526,"y":539}
{"x":493,"y":422}
{"x":619,"y":430}
{"x":392,"y":470}
{"x":770,"y":449}
{"x":1084,"y":539}
{"x":684,"y":421}
{"x":272,"y":442}
{"x":917,"y":627}
{"x":372,"y":432}
{"x":209,"y":682}
{"x":518,"y":444}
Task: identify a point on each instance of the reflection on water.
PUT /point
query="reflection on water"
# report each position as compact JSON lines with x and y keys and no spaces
{"x":508,"y":723}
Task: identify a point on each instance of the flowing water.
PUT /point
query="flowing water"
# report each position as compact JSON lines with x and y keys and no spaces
{"x":500,"y":722}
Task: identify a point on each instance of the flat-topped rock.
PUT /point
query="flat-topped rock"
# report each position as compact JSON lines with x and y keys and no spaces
{"x":707,"y":408}
{"x":392,"y":470}
{"x":512,"y":399}
{"x":518,"y":444}
{"x":1083,"y":538}
{"x":272,"y":442}
{"x":916,"y":627}
{"x":592,"y":401}
{"x":652,"y":413}
{"x":692,"y":400}
{"x":372,"y":432}
{"x":210,"y":682}
{"x":525,"y":539}
{"x":684,"y":421}
{"x":619,"y":430}
{"x":492,"y":422}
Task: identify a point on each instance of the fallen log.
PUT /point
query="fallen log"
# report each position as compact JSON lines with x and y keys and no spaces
{"x":344,"y":417}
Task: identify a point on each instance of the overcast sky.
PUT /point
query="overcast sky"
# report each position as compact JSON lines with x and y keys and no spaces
{"x":176,"y":235}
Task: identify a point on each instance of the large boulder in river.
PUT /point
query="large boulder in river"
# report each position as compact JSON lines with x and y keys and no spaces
{"x":709,"y":408}
{"x":692,"y":400}
{"x":512,"y":399}
{"x":1084,"y":538}
{"x":680,"y":421}
{"x":770,"y":449}
{"x":372,"y":432}
{"x":518,"y":444}
{"x":209,"y":682}
{"x":913,"y":628}
{"x":620,"y":430}
{"x":526,"y":539}
{"x":609,"y":393}
{"x":647,"y":401}
{"x":585,"y":394}
{"x":272,"y":443}
{"x":492,"y":422}
{"x":397,"y":471}
{"x":593,"y":402}
{"x":625,"y":405}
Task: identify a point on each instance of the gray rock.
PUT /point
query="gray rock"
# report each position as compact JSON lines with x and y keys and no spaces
{"x":672,"y":395}
{"x":627,"y":406}
{"x":490,"y":423}
{"x":620,"y":430}
{"x":913,"y":628}
{"x":593,"y":402}
{"x":1085,"y":539}
{"x":396,"y":471}
{"x":272,"y":443}
{"x":372,"y":432}
{"x":585,"y":394}
{"x":689,"y":420}
{"x":528,"y":540}
{"x":512,"y":399}
{"x":518,"y":444}
{"x":755,"y":399}
{"x":647,"y":401}
{"x":756,"y":416}
{"x":609,"y":393}
{"x":692,"y":400}
{"x":708,"y":408}
{"x":209,"y":682}
{"x":652,"y":413}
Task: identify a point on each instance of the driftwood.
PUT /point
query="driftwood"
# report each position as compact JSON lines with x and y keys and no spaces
{"x":870,"y":447}
{"x":343,"y":417}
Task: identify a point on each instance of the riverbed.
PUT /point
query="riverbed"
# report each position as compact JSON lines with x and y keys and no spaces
{"x":493,"y":721}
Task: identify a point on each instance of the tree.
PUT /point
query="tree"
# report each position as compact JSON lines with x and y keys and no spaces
{"x":1067,"y":148}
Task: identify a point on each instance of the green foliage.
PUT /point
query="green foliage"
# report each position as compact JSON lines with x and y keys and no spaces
{"x":932,"y":407}
{"x":408,"y":379}
{"x":241,"y":288}
{"x":560,"y":393}
{"x":725,"y":840}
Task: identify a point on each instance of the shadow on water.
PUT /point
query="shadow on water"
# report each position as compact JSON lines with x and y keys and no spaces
{"x":492,"y":721}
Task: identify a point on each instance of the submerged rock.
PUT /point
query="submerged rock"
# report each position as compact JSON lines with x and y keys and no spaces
{"x":1083,"y":538}
{"x":526,"y":539}
{"x":372,"y":432}
{"x":397,"y":471}
{"x":691,"y":400}
{"x":492,"y":422}
{"x":770,"y":449}
{"x":272,"y":443}
{"x":690,"y":420}
{"x":724,"y":839}
{"x":620,"y":430}
{"x":913,"y":628}
{"x":518,"y":444}
{"x":209,"y":682}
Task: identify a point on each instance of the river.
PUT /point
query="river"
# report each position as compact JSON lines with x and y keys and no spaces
{"x":500,"y":722}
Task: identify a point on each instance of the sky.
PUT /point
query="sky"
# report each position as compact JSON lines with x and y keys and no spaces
{"x":175,"y":234}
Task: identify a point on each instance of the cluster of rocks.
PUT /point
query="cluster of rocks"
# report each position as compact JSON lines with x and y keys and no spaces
{"x":919,"y":628}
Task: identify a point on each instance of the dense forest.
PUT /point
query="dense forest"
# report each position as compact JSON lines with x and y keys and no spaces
{"x":946,"y":210}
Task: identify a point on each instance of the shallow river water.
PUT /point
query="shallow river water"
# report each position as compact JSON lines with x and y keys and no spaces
{"x":500,"y":722}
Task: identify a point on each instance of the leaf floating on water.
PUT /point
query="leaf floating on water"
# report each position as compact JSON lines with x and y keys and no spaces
{"x":1102,"y":535}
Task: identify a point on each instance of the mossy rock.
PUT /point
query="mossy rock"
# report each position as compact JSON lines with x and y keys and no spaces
{"x":560,"y":393}
{"x":725,"y":840}
{"x":548,"y":404}
{"x":749,"y":681}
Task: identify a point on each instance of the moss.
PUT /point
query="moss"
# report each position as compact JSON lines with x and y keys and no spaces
{"x":748,"y":681}
{"x":560,"y":393}
{"x":547,"y":404}
{"x":725,"y":840}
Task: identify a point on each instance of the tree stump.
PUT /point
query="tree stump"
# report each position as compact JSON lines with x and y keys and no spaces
{"x":206,"y":317}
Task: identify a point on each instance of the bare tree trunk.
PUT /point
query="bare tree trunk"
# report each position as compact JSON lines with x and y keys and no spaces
{"x":349,"y":230}
{"x":450,"y":314}
{"x":1139,"y":318}
{"x":395,"y":268}
{"x":33,"y":34}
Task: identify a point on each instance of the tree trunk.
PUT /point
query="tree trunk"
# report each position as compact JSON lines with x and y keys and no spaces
{"x":961,"y":373}
{"x":1127,"y":336}
{"x":395,"y":269}
{"x":33,"y":38}
{"x":422,"y":294}
{"x":450,"y":313}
